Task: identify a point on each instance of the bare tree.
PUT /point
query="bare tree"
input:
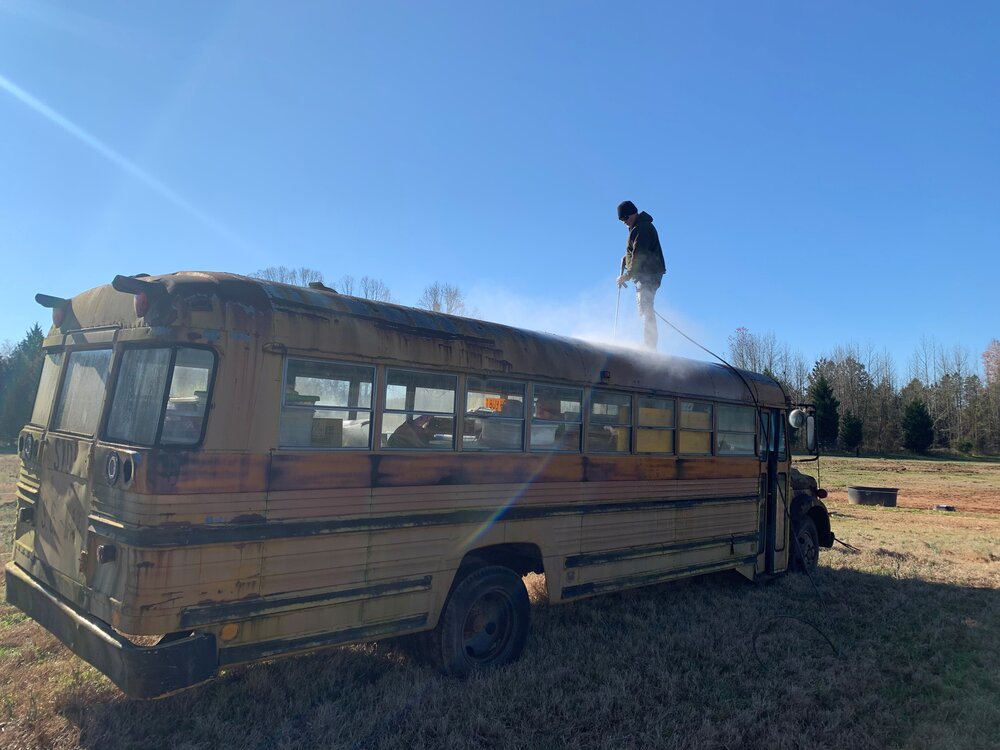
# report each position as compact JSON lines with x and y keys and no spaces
{"x":763,"y":353}
{"x":374,"y":289}
{"x":445,"y":298}
{"x":346,"y":285}
{"x":991,"y":362}
{"x":991,"y":396}
{"x":923,"y":363}
{"x":885,"y":431}
{"x":285,"y":275}
{"x":365,"y":287}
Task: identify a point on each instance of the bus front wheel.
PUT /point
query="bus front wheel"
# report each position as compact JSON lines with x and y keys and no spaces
{"x":484,"y":624}
{"x":806,"y":545}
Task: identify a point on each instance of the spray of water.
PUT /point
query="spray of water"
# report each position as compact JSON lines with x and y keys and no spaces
{"x":589,"y":314}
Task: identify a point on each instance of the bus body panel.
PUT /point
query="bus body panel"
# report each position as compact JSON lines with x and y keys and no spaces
{"x":269,"y":549}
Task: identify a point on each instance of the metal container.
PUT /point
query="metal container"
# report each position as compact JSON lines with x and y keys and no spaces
{"x":884,"y":496}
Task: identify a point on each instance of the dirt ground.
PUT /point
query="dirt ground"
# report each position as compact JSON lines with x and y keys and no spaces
{"x":970,"y":486}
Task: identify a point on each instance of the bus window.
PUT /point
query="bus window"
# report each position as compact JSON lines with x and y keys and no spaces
{"x":556,"y":418}
{"x":138,"y":397}
{"x":764,"y":435}
{"x":46,"y":389}
{"x":419,"y":410}
{"x":610,"y":422}
{"x":779,"y":426}
{"x":737,"y":427}
{"x":695,"y":434}
{"x":326,"y":405}
{"x":656,"y":425}
{"x":137,"y":406}
{"x":494,"y":415}
{"x":187,"y":399}
{"x":82,"y":394}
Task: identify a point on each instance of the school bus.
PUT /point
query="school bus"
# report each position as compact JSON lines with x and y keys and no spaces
{"x":219,"y":470}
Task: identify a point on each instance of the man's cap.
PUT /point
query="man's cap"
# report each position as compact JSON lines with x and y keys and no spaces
{"x":626,"y":208}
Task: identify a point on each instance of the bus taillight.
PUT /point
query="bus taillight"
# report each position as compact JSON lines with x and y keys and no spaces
{"x":141,"y":304}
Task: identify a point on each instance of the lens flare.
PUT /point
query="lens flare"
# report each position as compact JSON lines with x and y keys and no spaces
{"x":118,"y":160}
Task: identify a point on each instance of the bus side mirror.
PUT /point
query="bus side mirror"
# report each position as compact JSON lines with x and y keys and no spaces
{"x":798,"y":418}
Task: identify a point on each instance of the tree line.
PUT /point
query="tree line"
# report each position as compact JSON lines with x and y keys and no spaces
{"x":864,"y":403}
{"x":438,"y":297}
{"x":20,"y":369}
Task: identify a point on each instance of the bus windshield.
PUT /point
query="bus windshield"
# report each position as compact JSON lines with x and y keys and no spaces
{"x":46,"y":388}
{"x":161,"y":396}
{"x":82,"y":394}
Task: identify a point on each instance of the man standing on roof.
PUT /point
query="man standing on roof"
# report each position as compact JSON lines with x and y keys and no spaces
{"x":643,"y":264}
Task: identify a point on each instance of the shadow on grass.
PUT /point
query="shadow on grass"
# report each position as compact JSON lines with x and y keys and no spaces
{"x":704,"y":663}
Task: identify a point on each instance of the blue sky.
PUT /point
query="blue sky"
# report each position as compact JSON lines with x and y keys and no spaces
{"x":828,"y":171}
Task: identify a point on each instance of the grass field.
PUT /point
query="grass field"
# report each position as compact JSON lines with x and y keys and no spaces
{"x":894,"y":645}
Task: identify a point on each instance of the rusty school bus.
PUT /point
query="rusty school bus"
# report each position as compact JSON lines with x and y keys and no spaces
{"x":248,"y":469}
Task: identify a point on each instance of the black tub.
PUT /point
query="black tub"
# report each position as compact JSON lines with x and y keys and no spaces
{"x":884,"y":496}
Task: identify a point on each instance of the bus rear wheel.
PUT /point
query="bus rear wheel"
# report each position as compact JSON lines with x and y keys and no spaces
{"x":806,"y":545}
{"x":484,"y":624}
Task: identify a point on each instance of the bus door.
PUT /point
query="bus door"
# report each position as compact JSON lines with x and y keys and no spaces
{"x":66,"y":464}
{"x":773,"y":489}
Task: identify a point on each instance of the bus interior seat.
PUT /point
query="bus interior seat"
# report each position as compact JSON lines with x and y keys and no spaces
{"x":504,"y":431}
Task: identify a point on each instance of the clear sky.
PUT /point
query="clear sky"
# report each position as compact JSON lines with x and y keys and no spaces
{"x":826,"y":171}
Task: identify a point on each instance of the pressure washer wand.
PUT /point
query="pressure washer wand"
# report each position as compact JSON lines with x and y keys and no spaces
{"x":614,"y":332}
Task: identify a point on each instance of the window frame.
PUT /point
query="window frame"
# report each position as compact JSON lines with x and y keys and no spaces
{"x":456,"y":420}
{"x":50,"y":356}
{"x":58,"y":398}
{"x":719,"y":432}
{"x":629,"y":426}
{"x":460,"y":445}
{"x":530,"y":446}
{"x":639,"y":426}
{"x":119,"y":357}
{"x":710,"y":429}
{"x":372,"y":409}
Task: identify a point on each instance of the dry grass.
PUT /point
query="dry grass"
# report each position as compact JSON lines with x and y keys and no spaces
{"x":923,"y":483}
{"x":913,"y":619}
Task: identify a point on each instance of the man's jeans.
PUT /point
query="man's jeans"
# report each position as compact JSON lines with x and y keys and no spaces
{"x":645,"y":291}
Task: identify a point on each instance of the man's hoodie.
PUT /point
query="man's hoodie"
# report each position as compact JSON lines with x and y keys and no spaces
{"x":643,"y":254}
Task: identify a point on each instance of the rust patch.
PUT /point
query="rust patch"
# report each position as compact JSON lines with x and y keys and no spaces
{"x":194,"y":472}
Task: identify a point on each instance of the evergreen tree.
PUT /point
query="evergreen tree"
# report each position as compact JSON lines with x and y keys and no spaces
{"x":918,"y":427}
{"x":827,"y":418}
{"x":20,"y":369}
{"x":851,"y":431}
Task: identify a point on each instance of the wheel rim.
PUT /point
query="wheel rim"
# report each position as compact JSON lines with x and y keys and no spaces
{"x":808,"y":549}
{"x":488,"y":627}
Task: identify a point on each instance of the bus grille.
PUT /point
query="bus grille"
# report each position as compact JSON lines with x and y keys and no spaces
{"x":27,"y":485}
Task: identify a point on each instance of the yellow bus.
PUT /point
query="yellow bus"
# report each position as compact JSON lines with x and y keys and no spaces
{"x":236,"y":469}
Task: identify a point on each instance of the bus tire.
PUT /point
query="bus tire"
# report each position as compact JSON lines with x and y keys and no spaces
{"x":484,"y":624}
{"x":806,"y":545}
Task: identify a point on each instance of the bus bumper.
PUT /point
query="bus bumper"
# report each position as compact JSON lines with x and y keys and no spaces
{"x":140,"y":672}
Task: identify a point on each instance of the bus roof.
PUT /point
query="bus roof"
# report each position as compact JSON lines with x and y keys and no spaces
{"x":322,"y":322}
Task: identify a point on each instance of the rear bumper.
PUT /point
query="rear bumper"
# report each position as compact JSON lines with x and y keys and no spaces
{"x":139,"y":671}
